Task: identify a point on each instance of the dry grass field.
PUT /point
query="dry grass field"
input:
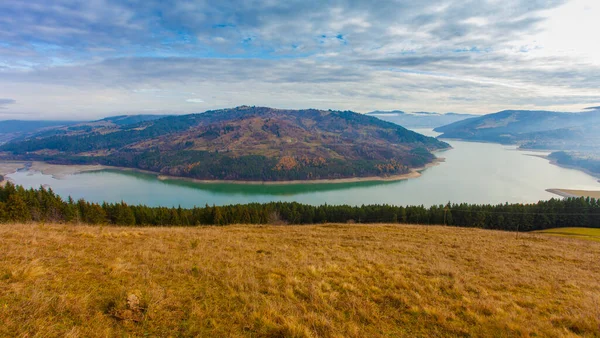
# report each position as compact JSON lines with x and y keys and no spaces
{"x":295,"y":281}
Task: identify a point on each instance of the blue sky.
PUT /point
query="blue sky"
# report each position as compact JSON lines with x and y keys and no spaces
{"x":67,"y":59}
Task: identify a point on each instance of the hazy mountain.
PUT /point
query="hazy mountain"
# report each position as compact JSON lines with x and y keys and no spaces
{"x":419,"y":119}
{"x":105,"y":125}
{"x":244,"y":143}
{"x":531,"y":129}
{"x":13,"y":129}
{"x":19,"y":129}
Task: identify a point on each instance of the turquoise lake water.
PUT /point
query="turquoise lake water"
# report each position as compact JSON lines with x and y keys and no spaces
{"x":472,"y":172}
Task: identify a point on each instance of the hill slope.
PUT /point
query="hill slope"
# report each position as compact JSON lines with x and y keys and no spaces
{"x":17,"y":129}
{"x":13,"y":129}
{"x":244,"y":143}
{"x":295,"y":281}
{"x":419,"y":119}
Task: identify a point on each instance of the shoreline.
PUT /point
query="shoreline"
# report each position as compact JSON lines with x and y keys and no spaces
{"x":60,"y":171}
{"x":566,"y":166}
{"x":57,"y":171}
{"x":414,"y":173}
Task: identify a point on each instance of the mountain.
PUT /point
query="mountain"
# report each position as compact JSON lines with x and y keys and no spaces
{"x":243,"y":143}
{"x":13,"y":129}
{"x":531,"y":129}
{"x":419,"y":119}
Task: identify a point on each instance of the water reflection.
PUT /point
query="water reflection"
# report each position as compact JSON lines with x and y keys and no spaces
{"x":249,"y":189}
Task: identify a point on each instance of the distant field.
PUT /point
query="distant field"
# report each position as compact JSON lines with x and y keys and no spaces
{"x":295,"y":281}
{"x":582,"y":233}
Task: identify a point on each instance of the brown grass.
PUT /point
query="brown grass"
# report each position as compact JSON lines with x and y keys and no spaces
{"x":582,"y":193}
{"x":295,"y":281}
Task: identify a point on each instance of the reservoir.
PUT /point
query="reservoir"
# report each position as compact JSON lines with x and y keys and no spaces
{"x":472,"y":172}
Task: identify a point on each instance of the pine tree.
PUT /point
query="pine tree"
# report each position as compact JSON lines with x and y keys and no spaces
{"x":124,"y":215}
{"x":3,"y":214}
{"x":217,"y":216}
{"x":16,"y":209}
{"x":245,"y":219}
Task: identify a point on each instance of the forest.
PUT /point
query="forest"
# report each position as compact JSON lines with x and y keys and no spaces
{"x":18,"y":204}
{"x":219,"y":166}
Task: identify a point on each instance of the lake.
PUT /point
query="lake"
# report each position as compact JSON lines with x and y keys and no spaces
{"x":473,"y":172}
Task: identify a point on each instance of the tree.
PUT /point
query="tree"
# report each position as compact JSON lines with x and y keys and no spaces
{"x":3,"y":215}
{"x":124,"y":215}
{"x":16,"y":209}
{"x":217,"y":216}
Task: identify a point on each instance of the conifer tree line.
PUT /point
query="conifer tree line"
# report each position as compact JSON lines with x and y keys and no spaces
{"x":18,"y":204}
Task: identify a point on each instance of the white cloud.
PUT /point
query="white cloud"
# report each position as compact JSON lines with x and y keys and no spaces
{"x":195,"y":100}
{"x":5,"y":102}
{"x":360,"y":55}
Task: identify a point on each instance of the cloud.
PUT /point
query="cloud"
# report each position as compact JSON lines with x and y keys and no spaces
{"x":104,"y":56}
{"x":5,"y":102}
{"x":102,"y":27}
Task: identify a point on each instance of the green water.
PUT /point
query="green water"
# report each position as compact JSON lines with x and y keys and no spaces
{"x":473,"y":172}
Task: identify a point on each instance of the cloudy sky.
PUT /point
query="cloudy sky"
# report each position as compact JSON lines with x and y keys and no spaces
{"x":66,"y":59}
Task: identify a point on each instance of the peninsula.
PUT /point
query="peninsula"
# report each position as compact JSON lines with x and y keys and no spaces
{"x":241,"y":144}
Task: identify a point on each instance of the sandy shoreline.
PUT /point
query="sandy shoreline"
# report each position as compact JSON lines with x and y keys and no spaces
{"x":59,"y":171}
{"x":574,"y":193}
{"x":570,"y":192}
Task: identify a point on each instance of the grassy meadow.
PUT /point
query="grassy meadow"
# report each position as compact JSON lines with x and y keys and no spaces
{"x":295,"y":281}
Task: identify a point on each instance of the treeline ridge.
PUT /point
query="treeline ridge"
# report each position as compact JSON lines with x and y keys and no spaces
{"x":18,"y":204}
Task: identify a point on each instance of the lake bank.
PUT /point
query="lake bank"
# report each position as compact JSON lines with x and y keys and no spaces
{"x":566,"y":166}
{"x":414,"y":173}
{"x":55,"y":170}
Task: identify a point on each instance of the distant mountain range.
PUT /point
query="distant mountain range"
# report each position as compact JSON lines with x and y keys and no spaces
{"x":243,"y":143}
{"x":419,"y":119}
{"x":13,"y":129}
{"x":531,"y":129}
{"x":574,"y":137}
{"x":20,"y":129}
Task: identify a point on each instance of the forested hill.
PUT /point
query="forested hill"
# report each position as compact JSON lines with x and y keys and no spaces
{"x":243,"y":143}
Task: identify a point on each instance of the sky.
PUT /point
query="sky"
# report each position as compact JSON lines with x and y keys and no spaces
{"x":66,"y":59}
